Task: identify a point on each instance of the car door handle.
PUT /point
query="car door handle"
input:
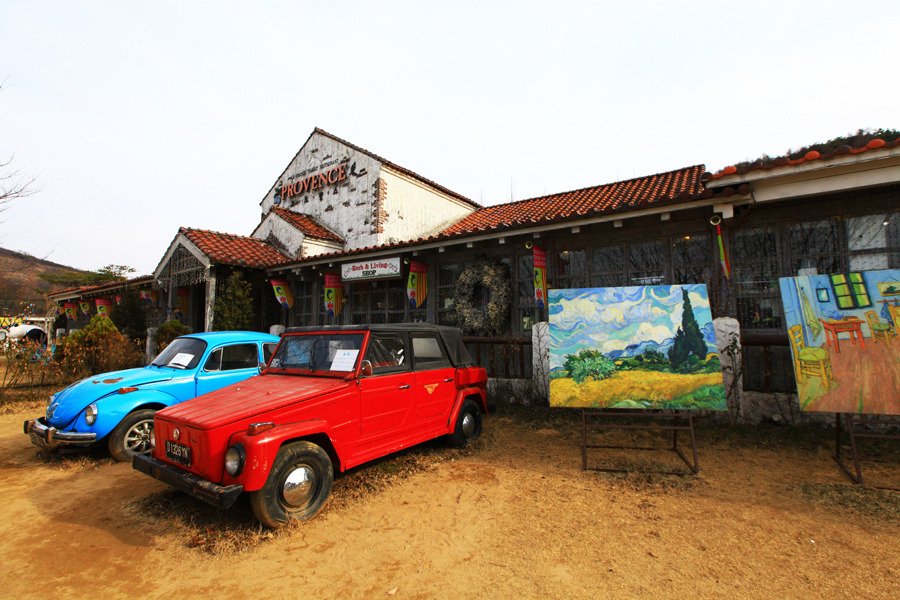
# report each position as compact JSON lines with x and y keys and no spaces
{"x":448,"y":380}
{"x":403,"y":387}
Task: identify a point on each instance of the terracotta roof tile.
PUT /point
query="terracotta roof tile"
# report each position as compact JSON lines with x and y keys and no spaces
{"x":810,"y":156}
{"x":308,"y":225}
{"x":602,"y":199}
{"x":229,"y":249}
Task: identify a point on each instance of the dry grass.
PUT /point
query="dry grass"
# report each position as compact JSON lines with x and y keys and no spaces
{"x":223,"y":532}
{"x":873,"y":504}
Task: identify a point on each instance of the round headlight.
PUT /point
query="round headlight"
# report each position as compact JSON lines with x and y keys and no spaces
{"x":234,"y":460}
{"x":90,"y":414}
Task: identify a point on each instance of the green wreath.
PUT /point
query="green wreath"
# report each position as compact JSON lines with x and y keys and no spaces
{"x":467,"y":299}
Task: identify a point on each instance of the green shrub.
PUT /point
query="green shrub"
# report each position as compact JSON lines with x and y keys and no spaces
{"x":167,"y":332}
{"x":589,"y":363}
{"x":98,"y":348}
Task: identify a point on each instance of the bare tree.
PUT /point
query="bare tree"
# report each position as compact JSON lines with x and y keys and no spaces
{"x":13,"y":184}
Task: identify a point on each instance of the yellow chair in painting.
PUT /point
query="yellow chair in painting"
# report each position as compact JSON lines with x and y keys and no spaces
{"x":878,"y":329}
{"x":894,"y":311}
{"x":809,"y":361}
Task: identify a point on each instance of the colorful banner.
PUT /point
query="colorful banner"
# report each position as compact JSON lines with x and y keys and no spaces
{"x":540,"y":277}
{"x":184,"y":300}
{"x":104,"y":307}
{"x":145,"y":295}
{"x":334,"y":294}
{"x":723,"y":257}
{"x":283,"y":292}
{"x":85,"y":307}
{"x":416,"y":287}
{"x":118,"y":300}
{"x":70,"y":310}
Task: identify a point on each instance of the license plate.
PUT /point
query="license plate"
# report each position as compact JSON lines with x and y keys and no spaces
{"x":178,"y":453}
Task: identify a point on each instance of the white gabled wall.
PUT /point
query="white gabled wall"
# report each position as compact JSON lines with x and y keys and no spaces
{"x":413,"y":210}
{"x":285,"y":235}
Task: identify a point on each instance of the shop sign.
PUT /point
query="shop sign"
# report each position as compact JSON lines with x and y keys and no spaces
{"x":314,"y":182}
{"x":383,"y":268}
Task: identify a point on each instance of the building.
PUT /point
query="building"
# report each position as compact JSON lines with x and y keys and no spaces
{"x":342,"y":229}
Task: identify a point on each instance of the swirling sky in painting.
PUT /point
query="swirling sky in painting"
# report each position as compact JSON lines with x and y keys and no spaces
{"x":612,"y":320}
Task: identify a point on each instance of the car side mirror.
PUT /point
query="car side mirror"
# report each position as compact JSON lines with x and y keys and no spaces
{"x":262,"y":366}
{"x":365,"y":369}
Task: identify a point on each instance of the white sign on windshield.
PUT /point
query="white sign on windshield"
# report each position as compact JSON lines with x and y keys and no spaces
{"x":182,"y":359}
{"x":344,"y":360}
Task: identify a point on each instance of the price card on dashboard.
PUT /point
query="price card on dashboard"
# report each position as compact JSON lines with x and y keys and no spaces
{"x":182,"y":359}
{"x":344,"y":360}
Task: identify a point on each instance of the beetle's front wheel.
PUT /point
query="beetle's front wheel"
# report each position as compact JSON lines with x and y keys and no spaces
{"x":298,"y":485}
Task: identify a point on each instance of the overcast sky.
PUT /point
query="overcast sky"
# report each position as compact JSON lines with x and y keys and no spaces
{"x":137,"y":118}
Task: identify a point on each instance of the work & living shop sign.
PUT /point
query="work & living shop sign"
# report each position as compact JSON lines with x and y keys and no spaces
{"x":383,"y":268}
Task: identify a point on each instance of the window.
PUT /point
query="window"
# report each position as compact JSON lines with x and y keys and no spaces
{"x":268,"y":351}
{"x":813,"y":247}
{"x":302,"y":310}
{"x":447,"y":276}
{"x":691,"y":260}
{"x":571,"y":269}
{"x":608,"y":266}
{"x":646,"y":263}
{"x":850,"y":291}
{"x":754,"y":268}
{"x":230,"y":358}
{"x":387,"y":353}
{"x":873,"y":242}
{"x":427,"y":353}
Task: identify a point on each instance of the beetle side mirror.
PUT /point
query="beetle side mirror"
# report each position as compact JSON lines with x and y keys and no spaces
{"x":365,"y":369}
{"x":262,"y":366}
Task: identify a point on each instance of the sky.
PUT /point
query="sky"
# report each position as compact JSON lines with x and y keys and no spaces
{"x":611,"y":319}
{"x":137,"y":118}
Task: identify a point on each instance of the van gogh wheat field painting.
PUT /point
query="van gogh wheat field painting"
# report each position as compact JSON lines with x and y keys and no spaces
{"x":642,"y":347}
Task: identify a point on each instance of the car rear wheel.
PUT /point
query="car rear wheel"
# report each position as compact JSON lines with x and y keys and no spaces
{"x":133,"y":435}
{"x":468,"y":425}
{"x":298,"y":485}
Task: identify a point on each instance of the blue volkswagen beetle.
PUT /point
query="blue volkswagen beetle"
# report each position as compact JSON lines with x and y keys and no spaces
{"x":119,"y":406}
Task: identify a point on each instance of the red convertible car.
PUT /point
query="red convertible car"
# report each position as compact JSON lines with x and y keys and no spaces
{"x":330,"y":398}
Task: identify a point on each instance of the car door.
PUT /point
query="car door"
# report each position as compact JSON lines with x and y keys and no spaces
{"x":386,"y":396}
{"x":228,"y":364}
{"x":435,"y":386}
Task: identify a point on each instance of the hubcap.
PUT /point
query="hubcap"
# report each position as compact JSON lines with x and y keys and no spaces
{"x":299,"y":486}
{"x":139,"y":438}
{"x":468,"y":425}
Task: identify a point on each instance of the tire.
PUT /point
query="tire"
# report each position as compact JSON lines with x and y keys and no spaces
{"x":468,"y":425}
{"x":133,"y":435}
{"x":297,"y":487}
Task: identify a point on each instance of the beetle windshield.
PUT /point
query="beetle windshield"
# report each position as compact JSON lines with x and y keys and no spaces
{"x":318,"y":353}
{"x":182,"y":353}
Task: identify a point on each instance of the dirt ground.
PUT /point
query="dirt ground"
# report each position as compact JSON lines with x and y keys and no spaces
{"x":514,"y":516}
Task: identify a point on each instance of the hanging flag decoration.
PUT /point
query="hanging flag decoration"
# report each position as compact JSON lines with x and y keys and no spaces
{"x":283,"y":293}
{"x":334,"y":294}
{"x":184,"y":298}
{"x":70,"y":310}
{"x":145,"y":295}
{"x":118,"y":300}
{"x":417,"y":285}
{"x":540,"y":277}
{"x":104,"y":307}
{"x":85,"y":307}
{"x":723,"y":257}
{"x":60,"y":310}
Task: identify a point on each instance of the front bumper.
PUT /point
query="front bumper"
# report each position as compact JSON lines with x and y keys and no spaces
{"x":220,"y":496}
{"x":47,"y":435}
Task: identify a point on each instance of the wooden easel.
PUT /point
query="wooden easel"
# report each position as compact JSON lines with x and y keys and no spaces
{"x":856,"y":475}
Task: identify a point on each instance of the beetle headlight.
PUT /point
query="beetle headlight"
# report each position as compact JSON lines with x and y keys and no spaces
{"x":234,"y":460}
{"x":90,"y":414}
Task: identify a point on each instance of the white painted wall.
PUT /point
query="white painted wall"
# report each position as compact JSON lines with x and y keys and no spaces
{"x":414,"y":210}
{"x":286,"y":234}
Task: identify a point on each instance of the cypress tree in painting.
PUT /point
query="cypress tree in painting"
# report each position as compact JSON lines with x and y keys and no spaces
{"x":689,"y":349}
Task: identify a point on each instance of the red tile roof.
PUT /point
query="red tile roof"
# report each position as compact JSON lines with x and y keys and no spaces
{"x":812,"y":155}
{"x":225,"y":248}
{"x":112,"y":285}
{"x":632,"y":194}
{"x":308,"y":225}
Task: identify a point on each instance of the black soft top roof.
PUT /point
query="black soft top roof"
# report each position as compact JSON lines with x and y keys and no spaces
{"x":452,"y":336}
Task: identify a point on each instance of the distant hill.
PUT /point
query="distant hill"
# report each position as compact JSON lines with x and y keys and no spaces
{"x":20,"y":284}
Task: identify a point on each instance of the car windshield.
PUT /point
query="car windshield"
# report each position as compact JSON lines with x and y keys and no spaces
{"x":182,"y":353}
{"x":318,"y":352}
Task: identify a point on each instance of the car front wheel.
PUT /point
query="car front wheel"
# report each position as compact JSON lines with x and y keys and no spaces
{"x":298,"y":485}
{"x":133,"y":435}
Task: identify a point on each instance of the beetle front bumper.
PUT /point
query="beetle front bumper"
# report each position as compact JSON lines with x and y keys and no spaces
{"x":220,"y":496}
{"x":47,"y":435}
